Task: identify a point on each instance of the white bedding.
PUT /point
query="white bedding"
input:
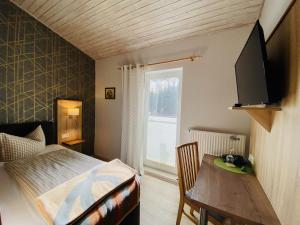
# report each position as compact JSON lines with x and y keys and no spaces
{"x":40,"y":174}
{"x":15,"y":208}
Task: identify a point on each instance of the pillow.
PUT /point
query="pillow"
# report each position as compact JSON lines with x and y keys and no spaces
{"x":14,"y":147}
{"x":37,"y":135}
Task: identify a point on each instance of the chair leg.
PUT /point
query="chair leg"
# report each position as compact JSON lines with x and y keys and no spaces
{"x":192,"y":211}
{"x":192,"y":218}
{"x":180,"y":211}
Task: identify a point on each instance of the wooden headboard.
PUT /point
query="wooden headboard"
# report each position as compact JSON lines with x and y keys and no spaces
{"x":22,"y":129}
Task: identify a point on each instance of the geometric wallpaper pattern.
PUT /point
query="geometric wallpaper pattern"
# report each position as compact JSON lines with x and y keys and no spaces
{"x":37,"y":66}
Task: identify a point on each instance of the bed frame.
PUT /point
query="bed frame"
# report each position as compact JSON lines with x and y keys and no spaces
{"x":21,"y":129}
{"x":49,"y":128}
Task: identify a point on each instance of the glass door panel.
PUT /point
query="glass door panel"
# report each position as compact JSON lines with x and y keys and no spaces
{"x":162,"y":113}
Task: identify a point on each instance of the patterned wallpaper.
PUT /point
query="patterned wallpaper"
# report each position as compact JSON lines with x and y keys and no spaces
{"x":36,"y":67}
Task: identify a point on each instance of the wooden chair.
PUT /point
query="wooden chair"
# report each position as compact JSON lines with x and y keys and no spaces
{"x":187,"y":157}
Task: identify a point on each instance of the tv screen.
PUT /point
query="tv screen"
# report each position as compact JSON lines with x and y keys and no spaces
{"x":252,"y":74}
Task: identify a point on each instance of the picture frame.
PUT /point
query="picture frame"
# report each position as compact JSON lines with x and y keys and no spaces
{"x":110,"y":93}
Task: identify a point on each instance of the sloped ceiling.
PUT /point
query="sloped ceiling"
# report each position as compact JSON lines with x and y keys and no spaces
{"x":103,"y":28}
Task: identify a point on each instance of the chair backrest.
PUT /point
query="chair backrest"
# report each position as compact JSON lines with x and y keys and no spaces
{"x":187,"y":157}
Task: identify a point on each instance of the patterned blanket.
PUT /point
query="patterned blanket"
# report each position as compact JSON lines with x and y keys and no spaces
{"x":70,"y":201}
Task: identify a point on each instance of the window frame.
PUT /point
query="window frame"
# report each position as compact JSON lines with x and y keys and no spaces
{"x":157,"y":74}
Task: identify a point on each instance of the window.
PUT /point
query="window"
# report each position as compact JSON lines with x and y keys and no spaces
{"x":163,"y":94}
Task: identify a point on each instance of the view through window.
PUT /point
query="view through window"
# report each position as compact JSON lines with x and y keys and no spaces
{"x":162,"y":108}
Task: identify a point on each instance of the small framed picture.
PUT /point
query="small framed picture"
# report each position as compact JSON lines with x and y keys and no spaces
{"x":110,"y":93}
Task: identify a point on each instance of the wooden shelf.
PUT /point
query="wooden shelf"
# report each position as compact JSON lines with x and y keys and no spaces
{"x":265,"y":108}
{"x":73,"y":142}
{"x":263,"y":115}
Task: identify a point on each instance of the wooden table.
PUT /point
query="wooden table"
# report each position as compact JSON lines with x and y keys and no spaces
{"x":239,"y":197}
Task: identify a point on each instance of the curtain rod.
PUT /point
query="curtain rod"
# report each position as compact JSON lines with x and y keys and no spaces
{"x":192,"y":58}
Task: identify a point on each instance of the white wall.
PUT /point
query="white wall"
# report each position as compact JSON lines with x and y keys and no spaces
{"x":271,"y":14}
{"x":208,"y":86}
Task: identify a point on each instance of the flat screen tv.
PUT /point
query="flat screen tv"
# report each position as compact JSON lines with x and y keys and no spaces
{"x":254,"y":82}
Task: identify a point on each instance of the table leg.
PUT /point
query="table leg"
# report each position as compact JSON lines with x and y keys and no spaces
{"x":203,"y":217}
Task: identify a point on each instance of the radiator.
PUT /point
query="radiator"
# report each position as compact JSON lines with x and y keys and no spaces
{"x":218,"y":143}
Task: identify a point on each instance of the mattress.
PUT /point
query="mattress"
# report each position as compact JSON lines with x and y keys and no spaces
{"x":40,"y":174}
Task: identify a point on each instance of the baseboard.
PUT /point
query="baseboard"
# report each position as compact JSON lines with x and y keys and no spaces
{"x":168,"y":177}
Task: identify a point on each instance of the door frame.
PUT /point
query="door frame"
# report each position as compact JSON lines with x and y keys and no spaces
{"x":152,"y":74}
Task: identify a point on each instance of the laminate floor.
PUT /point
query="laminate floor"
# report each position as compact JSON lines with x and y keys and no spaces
{"x":159,"y":202}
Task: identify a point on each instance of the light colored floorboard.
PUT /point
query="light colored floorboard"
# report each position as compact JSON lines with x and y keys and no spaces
{"x":159,"y":202}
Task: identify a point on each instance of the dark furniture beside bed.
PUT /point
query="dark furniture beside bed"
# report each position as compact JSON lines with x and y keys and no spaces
{"x":49,"y":128}
{"x":76,"y":145}
{"x":133,"y":218}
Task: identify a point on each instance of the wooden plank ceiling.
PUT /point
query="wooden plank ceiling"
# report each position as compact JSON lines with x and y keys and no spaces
{"x":103,"y":28}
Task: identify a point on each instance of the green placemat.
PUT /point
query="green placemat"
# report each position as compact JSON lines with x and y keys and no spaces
{"x":220,"y":163}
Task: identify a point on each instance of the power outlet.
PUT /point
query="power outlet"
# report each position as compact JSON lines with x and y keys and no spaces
{"x":251,"y":158}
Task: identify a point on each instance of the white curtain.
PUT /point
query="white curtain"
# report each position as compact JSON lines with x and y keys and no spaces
{"x":133,"y":82}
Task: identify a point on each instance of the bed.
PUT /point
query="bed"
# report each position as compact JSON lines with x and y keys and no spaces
{"x":121,"y":206}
